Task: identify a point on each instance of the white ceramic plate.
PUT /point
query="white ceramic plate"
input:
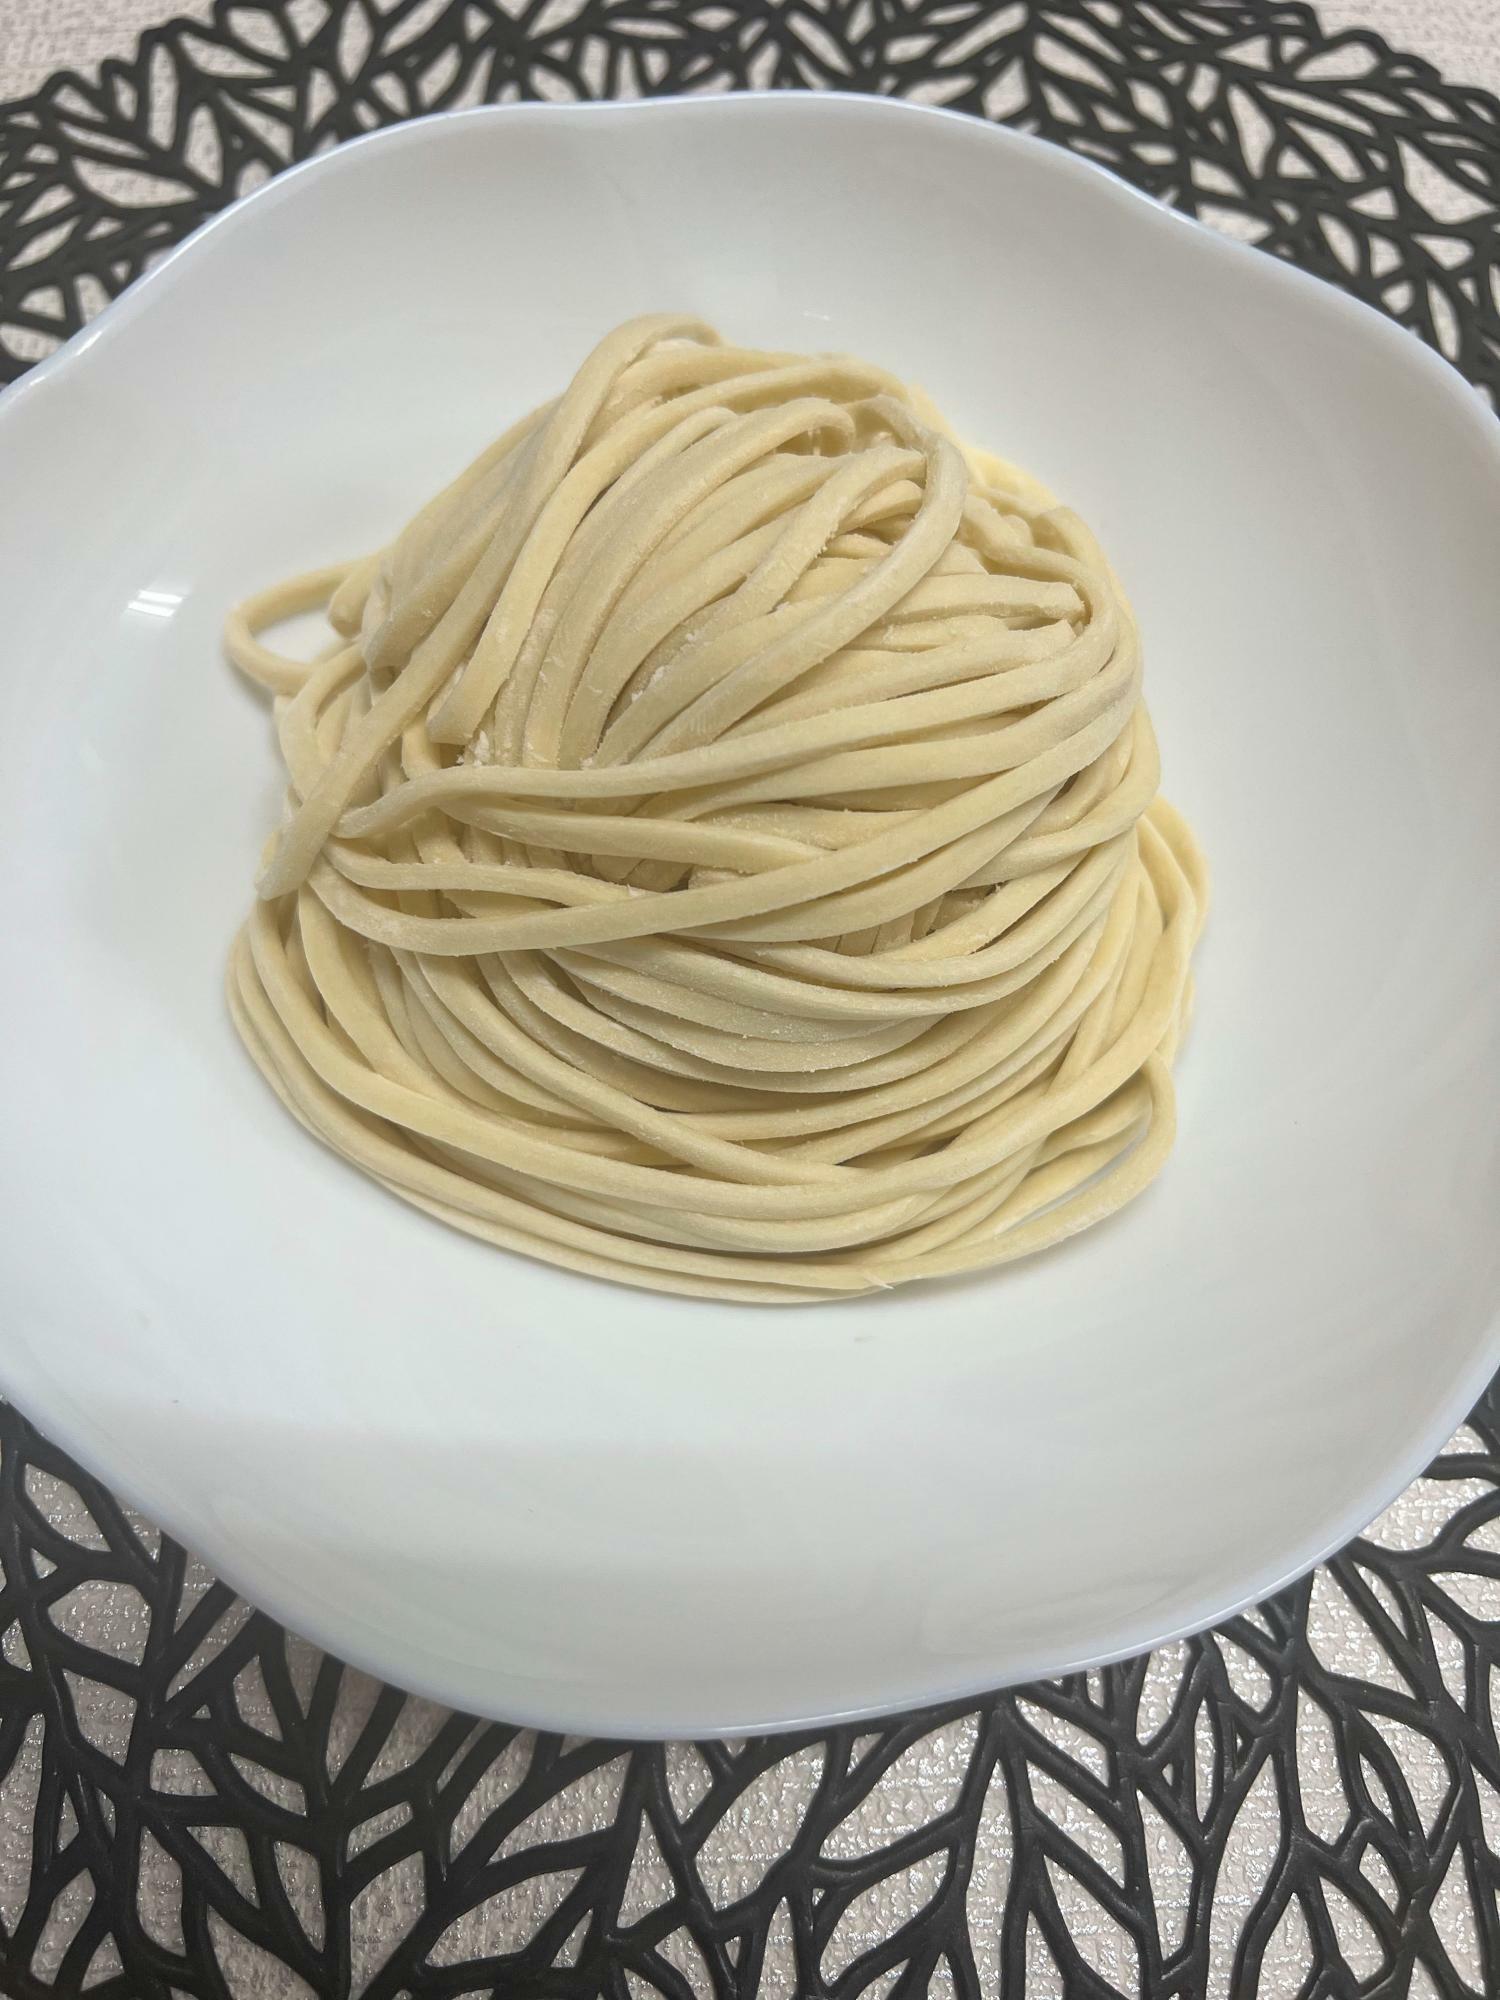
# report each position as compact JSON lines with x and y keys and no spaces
{"x":562,"y":1502}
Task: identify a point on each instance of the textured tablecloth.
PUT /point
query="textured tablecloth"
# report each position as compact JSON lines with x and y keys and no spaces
{"x":1461,"y":37}
{"x":247,"y":1695}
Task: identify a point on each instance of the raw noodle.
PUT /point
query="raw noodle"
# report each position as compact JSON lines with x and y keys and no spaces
{"x":723,"y":850}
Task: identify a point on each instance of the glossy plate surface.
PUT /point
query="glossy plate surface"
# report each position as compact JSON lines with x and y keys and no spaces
{"x":557,"y":1501}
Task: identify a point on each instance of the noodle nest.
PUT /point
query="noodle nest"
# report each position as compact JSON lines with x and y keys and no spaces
{"x":722,"y":849}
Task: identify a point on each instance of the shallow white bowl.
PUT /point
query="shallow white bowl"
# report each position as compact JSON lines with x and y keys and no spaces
{"x":562,"y":1502}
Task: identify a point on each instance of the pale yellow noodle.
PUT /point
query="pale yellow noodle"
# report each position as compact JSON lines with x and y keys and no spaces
{"x":722,"y":849}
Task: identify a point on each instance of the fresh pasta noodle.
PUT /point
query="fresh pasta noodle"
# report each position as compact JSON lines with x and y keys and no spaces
{"x":722,"y":848}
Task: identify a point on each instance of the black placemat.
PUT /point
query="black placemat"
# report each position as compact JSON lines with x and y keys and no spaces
{"x":208,"y":1742}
